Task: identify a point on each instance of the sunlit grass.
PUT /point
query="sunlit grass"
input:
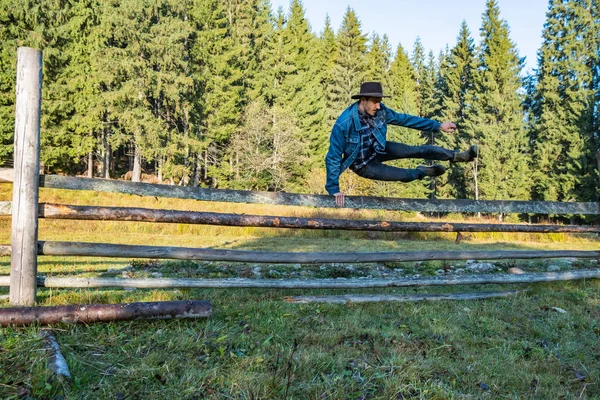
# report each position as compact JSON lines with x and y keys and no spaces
{"x":257,"y":346}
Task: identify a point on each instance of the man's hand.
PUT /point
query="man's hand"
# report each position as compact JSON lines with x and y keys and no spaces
{"x":448,"y":127}
{"x":339,"y":199}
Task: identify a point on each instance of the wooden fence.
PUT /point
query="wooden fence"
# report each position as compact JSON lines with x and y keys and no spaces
{"x":25,"y":212}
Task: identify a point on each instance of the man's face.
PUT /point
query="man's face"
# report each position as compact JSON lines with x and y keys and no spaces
{"x":371,"y":105}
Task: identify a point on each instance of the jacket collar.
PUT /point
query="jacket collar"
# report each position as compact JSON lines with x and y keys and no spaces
{"x":354,"y":113}
{"x":354,"y":110}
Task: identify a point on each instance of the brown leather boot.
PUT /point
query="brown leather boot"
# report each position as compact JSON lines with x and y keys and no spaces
{"x":466,"y":156}
{"x":433,"y":170}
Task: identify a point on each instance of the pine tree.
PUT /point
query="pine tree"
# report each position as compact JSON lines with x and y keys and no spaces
{"x":588,"y":16}
{"x":305,"y":92}
{"x":350,"y":66}
{"x":562,"y":97}
{"x":378,"y":59}
{"x":80,"y":88}
{"x":39,"y":25}
{"x":230,"y":51}
{"x":456,"y":93}
{"x":327,"y":55}
{"x":8,"y":72}
{"x":324,"y":59}
{"x":496,"y":118}
{"x":403,"y":91}
{"x":418,"y":62}
{"x":427,"y":87}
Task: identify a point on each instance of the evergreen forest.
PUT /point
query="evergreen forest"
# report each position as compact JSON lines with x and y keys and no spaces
{"x":233,"y":94}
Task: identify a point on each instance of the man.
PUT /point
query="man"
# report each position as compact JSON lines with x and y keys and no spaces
{"x":358,"y":142}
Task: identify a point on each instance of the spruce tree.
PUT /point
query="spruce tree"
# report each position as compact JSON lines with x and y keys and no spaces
{"x":417,"y":60}
{"x":496,"y":118}
{"x":326,"y":49}
{"x":80,"y":87}
{"x":378,"y":59}
{"x":562,"y":97}
{"x":328,"y":53}
{"x":588,"y":24}
{"x":303,"y":92}
{"x":456,"y":94}
{"x":403,"y":91}
{"x":350,"y":65}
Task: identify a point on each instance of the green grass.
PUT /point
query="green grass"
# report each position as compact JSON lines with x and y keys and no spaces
{"x":257,"y":346}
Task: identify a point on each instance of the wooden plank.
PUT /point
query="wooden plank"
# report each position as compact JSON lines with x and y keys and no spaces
{"x":337,"y":283}
{"x":187,"y":253}
{"x":378,"y":298}
{"x":311,"y":200}
{"x":90,"y":313}
{"x":26,"y":177}
{"x":74,"y":212}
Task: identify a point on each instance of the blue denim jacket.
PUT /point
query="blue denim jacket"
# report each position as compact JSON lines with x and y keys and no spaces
{"x":345,"y":138}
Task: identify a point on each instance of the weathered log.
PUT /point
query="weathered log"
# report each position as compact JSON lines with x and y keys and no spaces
{"x":337,"y":283}
{"x":187,"y":253}
{"x":293,"y":199}
{"x":28,"y":106}
{"x":56,"y":361}
{"x":73,"y":212}
{"x":377,"y":298}
{"x":21,"y":316}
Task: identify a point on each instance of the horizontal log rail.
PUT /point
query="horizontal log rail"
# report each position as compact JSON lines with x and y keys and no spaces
{"x":323,"y":201}
{"x":204,"y":254}
{"x":402,"y":298}
{"x":98,"y":213}
{"x":337,"y":283}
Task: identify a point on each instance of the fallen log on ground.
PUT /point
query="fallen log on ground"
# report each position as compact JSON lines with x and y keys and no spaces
{"x":89,"y":313}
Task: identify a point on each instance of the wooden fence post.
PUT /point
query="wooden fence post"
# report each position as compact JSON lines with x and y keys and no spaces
{"x":23,"y":264}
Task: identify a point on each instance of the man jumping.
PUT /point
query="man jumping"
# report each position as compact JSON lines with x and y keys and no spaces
{"x":358,"y":141}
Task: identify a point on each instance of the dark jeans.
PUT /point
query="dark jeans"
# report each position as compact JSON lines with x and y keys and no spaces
{"x":375,"y":169}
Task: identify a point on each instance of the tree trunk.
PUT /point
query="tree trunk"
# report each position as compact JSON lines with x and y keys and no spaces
{"x":206,"y":164}
{"x":107,"y":151}
{"x":160,"y":169}
{"x":598,"y":161}
{"x":130,"y":157}
{"x":197,"y":169}
{"x":90,"y":165}
{"x":136,"y":176}
{"x":476,"y":184}
{"x":186,"y":132}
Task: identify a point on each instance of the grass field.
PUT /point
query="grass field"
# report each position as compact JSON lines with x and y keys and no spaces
{"x":256,"y":346}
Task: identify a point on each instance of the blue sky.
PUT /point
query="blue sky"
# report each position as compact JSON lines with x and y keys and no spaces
{"x":436,"y":22}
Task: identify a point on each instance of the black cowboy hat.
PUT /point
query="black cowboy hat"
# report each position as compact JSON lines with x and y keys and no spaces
{"x":370,"y":89}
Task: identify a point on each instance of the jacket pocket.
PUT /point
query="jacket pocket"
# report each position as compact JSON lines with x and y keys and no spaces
{"x":351,"y":144}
